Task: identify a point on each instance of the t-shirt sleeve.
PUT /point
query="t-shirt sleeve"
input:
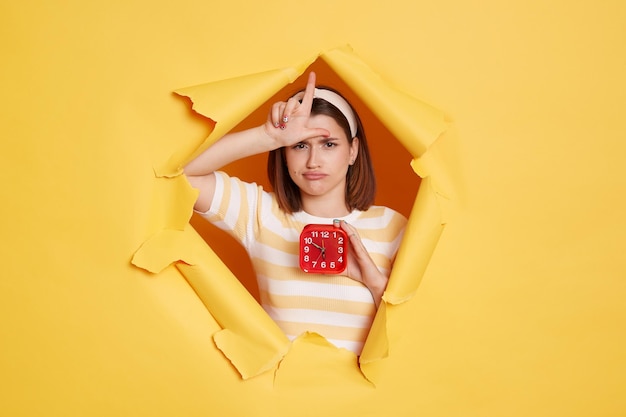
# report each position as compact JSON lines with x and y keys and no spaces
{"x":235,"y":207}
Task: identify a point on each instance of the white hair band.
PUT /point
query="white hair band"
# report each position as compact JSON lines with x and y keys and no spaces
{"x":341,"y":104}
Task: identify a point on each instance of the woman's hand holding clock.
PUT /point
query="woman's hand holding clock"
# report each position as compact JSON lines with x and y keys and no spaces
{"x":357,"y":265}
{"x":361,"y":267}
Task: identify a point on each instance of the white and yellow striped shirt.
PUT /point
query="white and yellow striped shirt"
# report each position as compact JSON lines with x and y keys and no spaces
{"x":335,"y":306}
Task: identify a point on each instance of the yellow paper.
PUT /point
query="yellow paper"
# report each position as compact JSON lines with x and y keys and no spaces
{"x":508,"y":298}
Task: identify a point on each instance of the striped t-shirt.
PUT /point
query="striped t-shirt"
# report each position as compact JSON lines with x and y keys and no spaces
{"x":334,"y":306}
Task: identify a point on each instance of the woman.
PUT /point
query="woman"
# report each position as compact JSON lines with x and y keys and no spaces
{"x":320,"y":169}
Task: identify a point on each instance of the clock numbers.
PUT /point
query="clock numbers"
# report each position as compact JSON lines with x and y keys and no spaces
{"x":324,"y":234}
{"x":323,"y":248}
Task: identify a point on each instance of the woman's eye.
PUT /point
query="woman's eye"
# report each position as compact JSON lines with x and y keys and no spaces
{"x":330,"y":144}
{"x":299,"y":146}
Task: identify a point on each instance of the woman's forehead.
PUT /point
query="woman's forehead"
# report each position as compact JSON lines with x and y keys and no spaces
{"x":326,"y":122}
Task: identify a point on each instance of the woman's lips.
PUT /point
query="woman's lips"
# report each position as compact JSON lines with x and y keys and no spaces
{"x":314,"y":175}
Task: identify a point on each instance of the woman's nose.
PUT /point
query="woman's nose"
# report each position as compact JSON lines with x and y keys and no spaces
{"x":312,"y":162}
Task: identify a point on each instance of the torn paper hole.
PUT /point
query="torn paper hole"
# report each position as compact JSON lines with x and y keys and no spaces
{"x":252,"y":342}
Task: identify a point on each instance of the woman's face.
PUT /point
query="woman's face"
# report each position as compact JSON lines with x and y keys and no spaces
{"x":319,"y":165}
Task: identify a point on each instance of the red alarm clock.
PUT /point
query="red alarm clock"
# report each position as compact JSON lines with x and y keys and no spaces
{"x":323,"y":248}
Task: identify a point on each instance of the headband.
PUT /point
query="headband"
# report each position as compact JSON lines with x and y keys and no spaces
{"x":341,"y":104}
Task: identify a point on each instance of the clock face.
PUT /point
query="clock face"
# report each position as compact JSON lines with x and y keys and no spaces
{"x":323,"y":249}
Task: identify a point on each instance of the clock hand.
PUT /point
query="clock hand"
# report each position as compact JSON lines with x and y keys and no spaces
{"x":322,"y":250}
{"x":318,"y":257}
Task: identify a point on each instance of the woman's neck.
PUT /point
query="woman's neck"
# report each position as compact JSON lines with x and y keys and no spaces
{"x":324,"y":207}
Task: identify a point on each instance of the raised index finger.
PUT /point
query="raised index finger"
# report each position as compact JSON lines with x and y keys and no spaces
{"x":307,"y":100}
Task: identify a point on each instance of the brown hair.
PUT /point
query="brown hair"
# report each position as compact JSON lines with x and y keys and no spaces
{"x":360,"y":179}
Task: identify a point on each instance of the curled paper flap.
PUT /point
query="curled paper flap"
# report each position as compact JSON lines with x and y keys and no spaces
{"x":228,"y":102}
{"x":422,"y":234}
{"x":164,"y":249}
{"x":312,"y":357}
{"x":413,"y":122}
{"x":377,"y":345}
{"x":250,"y":339}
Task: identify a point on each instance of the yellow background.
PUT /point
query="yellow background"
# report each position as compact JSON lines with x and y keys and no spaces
{"x":521,"y":310}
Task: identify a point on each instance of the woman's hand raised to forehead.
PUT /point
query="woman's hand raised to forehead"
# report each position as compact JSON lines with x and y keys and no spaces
{"x":287,"y":122}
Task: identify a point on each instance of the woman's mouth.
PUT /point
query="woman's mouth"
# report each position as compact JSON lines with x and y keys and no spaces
{"x":313,"y":175}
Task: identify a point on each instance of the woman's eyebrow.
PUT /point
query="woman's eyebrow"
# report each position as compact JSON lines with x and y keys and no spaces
{"x":319,"y":140}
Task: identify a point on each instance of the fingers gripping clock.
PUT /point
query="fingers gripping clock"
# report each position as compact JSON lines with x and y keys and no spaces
{"x":323,"y":249}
